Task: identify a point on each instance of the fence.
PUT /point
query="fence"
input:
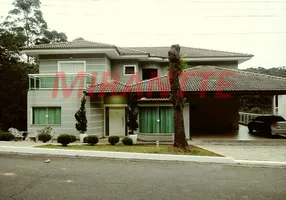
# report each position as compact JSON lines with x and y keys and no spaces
{"x":244,"y":118}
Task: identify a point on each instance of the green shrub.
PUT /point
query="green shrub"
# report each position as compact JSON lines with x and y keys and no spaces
{"x":85,"y":140}
{"x":64,"y":139}
{"x":48,"y":130}
{"x":127,"y":141}
{"x":73,"y":138}
{"x":6,"y":136}
{"x":113,"y":140}
{"x":256,"y":110}
{"x":44,"y":137}
{"x":91,"y":139}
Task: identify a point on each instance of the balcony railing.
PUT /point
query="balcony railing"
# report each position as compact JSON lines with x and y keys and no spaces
{"x":60,"y":81}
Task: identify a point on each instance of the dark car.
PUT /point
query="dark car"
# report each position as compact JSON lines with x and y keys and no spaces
{"x":263,"y":124}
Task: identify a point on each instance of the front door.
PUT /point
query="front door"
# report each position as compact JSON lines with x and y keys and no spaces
{"x":117,"y":121}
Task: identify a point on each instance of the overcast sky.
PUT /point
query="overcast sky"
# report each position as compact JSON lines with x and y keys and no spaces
{"x":248,"y":26}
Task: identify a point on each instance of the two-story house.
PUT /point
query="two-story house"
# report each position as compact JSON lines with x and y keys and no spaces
{"x":102,"y":70}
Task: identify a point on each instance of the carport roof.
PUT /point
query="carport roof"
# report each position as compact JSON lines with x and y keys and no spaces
{"x":205,"y":78}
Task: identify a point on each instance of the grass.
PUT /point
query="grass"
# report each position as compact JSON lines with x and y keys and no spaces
{"x":163,"y":149}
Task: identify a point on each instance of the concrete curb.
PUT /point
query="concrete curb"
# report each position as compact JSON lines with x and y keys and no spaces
{"x":259,"y":162}
{"x":118,"y":155}
{"x":135,"y":156}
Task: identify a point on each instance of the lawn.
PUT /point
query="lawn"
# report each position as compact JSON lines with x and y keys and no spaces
{"x":163,"y":149}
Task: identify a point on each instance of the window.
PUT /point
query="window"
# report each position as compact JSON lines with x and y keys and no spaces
{"x":129,"y":69}
{"x":156,"y":120}
{"x":71,"y":66}
{"x":149,"y":73}
{"x":46,"y":115}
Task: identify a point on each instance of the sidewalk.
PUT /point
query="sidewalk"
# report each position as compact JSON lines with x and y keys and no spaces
{"x":29,"y":148}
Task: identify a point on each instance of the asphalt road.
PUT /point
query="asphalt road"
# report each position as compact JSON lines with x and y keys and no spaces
{"x":29,"y":178}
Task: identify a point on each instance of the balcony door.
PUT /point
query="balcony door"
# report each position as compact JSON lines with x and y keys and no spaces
{"x":71,"y":69}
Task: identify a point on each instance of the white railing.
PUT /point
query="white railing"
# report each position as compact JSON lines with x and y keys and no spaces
{"x":48,"y":81}
{"x":244,"y":118}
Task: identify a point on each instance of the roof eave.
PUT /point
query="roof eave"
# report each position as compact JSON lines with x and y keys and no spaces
{"x":111,"y":52}
{"x":114,"y":53}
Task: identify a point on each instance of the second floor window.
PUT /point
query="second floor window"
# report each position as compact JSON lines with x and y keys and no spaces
{"x":71,"y":66}
{"x":129,"y":69}
{"x":149,"y":73}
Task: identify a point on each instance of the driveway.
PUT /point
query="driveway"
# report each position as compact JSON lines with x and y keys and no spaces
{"x":241,"y":134}
{"x":255,"y":151}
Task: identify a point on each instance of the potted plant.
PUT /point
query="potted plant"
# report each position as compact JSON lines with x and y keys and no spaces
{"x":80,"y":117}
{"x":132,"y":123}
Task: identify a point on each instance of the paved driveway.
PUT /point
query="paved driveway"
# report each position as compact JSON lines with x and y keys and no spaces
{"x":241,"y":134}
{"x":250,"y":151}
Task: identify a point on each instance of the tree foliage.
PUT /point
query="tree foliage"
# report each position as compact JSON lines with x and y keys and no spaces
{"x":27,"y":18}
{"x":132,"y":114}
{"x":13,"y":80}
{"x":23,"y":26}
{"x":274,"y":71}
{"x":27,"y":14}
{"x":51,"y":37}
{"x":80,"y":117}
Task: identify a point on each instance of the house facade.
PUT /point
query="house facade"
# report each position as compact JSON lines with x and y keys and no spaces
{"x":109,"y":74}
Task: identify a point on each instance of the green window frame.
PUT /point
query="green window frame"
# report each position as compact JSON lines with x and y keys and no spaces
{"x":46,"y":115}
{"x":156,"y":120}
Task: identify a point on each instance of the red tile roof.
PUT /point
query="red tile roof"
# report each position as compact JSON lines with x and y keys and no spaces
{"x":207,"y":78}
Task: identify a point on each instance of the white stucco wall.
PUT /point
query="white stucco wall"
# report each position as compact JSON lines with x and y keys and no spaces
{"x":282,"y":105}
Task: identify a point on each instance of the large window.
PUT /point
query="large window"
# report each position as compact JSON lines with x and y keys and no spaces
{"x":46,"y":115}
{"x":156,"y":120}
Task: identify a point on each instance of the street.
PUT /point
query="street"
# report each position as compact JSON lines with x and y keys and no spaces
{"x":29,"y":178}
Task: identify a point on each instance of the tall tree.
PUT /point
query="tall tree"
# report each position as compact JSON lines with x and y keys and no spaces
{"x":13,"y":81}
{"x":27,"y":18}
{"x":27,"y":14}
{"x":24,"y":26}
{"x":176,"y":98}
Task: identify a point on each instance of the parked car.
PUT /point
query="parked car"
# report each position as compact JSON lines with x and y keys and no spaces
{"x":268,"y":125}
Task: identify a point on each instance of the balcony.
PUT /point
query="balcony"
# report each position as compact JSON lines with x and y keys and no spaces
{"x":60,"y":81}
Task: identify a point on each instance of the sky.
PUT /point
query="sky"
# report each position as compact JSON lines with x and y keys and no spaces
{"x":247,"y":26}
